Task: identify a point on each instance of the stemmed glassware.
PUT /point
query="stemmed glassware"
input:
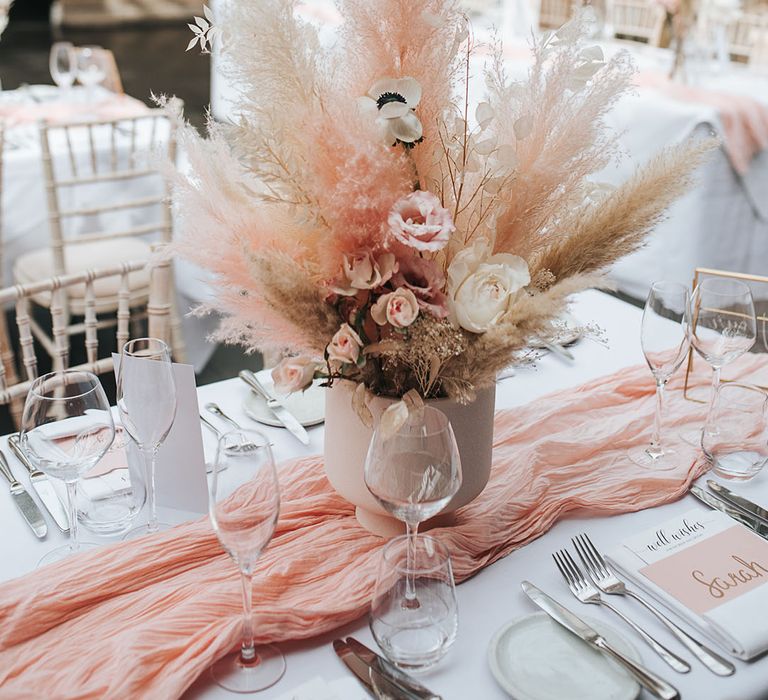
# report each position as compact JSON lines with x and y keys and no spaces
{"x":413,"y":470}
{"x":723,"y":327}
{"x":63,"y":64}
{"x":66,"y":427}
{"x":90,"y":68}
{"x":664,"y":338}
{"x":244,"y":504}
{"x":146,"y":400}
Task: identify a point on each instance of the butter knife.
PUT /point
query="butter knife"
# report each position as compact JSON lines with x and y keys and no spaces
{"x":24,"y":501}
{"x":739,"y":501}
{"x":42,"y":486}
{"x":649,"y":680}
{"x":378,"y":685}
{"x":385,"y":668}
{"x":281,"y":412}
{"x":730,"y":510}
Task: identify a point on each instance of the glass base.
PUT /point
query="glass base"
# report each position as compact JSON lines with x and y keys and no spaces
{"x":144,"y":530}
{"x":665,"y":462}
{"x":237,"y":676}
{"x":60,"y":553}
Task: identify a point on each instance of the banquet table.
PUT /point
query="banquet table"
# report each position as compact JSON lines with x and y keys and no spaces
{"x":492,"y":597}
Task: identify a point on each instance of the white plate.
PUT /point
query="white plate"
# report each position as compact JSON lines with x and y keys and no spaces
{"x":534,"y":658}
{"x":308,"y":407}
{"x":566,"y":330}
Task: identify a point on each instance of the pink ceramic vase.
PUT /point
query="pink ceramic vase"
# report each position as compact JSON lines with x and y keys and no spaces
{"x":347,"y":440}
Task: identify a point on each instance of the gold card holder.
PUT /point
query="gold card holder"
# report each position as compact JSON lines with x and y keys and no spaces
{"x":759,"y":286}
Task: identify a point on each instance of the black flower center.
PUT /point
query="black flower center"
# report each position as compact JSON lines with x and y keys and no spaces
{"x":387,"y":97}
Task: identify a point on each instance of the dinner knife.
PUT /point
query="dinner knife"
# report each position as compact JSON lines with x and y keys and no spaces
{"x":281,"y":412}
{"x":380,"y":664}
{"x":24,"y":501}
{"x":730,"y":510}
{"x":378,"y":685}
{"x":42,"y":486}
{"x":649,"y":680}
{"x":739,"y":501}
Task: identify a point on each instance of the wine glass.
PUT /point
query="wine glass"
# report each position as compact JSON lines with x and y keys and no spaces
{"x":244,"y":504}
{"x":413,"y":470}
{"x":146,"y":400}
{"x":90,"y":68}
{"x":66,"y":427}
{"x":664,"y":338}
{"x":63,"y":64}
{"x":723,"y":327}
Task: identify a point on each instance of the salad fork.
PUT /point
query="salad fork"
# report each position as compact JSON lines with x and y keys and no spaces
{"x":587,"y":593}
{"x":606,"y":580}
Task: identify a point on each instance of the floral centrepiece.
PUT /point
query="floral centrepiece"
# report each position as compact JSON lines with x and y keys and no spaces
{"x":364,"y":217}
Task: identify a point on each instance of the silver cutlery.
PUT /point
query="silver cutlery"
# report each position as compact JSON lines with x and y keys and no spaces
{"x":606,"y":580}
{"x":740,"y":516}
{"x":649,"y":680}
{"x":210,"y":426}
{"x":380,"y":664}
{"x":558,"y":349}
{"x":281,"y":412}
{"x":738,"y":501}
{"x":214,"y":408}
{"x":42,"y":486}
{"x":24,"y":501}
{"x":587,"y":593}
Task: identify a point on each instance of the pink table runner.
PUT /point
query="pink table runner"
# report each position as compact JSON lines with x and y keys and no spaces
{"x":143,"y":619}
{"x":59,"y":112}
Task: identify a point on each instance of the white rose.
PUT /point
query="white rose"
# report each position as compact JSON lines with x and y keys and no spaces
{"x":293,"y":374}
{"x":481,"y":286}
{"x":345,"y":345}
{"x":399,"y":308}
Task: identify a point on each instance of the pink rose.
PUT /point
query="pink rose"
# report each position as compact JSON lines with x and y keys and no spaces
{"x":417,"y":220}
{"x":294,"y":374}
{"x":426,"y":281}
{"x":364,"y":271}
{"x":345,"y":345}
{"x":399,"y":308}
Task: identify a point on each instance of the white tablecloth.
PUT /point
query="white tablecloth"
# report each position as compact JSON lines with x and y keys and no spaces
{"x":492,"y":597}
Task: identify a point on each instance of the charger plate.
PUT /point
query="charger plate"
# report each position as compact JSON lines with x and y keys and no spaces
{"x":308,"y":407}
{"x":535,"y":658}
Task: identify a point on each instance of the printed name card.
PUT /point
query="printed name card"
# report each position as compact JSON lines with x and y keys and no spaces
{"x":703,"y":560}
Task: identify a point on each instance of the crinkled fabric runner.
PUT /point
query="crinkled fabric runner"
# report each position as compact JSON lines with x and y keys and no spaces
{"x":142,"y":619}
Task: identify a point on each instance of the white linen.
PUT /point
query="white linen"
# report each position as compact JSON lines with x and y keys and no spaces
{"x":320,"y":689}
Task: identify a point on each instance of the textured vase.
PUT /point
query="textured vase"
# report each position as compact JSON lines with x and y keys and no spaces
{"x":347,"y":440}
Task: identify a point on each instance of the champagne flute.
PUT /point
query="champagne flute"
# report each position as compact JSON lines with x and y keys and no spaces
{"x":146,"y":400}
{"x":90,"y":69}
{"x":63,"y":64}
{"x":66,"y":427}
{"x":413,"y":470}
{"x":244,"y":504}
{"x":664,"y":338}
{"x":723,"y":327}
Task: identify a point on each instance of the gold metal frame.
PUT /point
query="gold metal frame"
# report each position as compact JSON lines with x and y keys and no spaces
{"x":709,"y":272}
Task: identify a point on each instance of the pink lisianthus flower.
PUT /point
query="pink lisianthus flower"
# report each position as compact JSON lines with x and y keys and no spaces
{"x":419,"y":221}
{"x":426,"y":281}
{"x":363,"y":270}
{"x":345,"y":346}
{"x":399,"y":308}
{"x":294,"y":374}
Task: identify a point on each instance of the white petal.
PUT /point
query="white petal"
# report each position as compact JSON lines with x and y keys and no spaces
{"x":208,"y":13}
{"x":195,"y":28}
{"x":507,"y":155}
{"x":367,"y":106}
{"x":407,"y":129}
{"x":523,"y":126}
{"x":410,"y":89}
{"x":202,"y":23}
{"x":484,"y":113}
{"x":394,"y":110}
{"x":192,"y":43}
{"x":382,"y":86}
{"x":485,"y":147}
{"x":592,"y":53}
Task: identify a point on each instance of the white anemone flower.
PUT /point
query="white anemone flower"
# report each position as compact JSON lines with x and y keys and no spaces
{"x":392,"y":102}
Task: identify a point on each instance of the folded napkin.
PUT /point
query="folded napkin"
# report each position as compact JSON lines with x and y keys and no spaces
{"x":710,"y":570}
{"x":171,"y":602}
{"x":320,"y":689}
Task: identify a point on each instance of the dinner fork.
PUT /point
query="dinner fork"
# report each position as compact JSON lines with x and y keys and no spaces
{"x":606,"y":580}
{"x":587,"y":593}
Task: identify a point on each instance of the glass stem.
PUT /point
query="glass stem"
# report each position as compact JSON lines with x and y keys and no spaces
{"x":74,"y":540}
{"x":412,"y":530}
{"x":655,"y":450}
{"x":712,"y":395}
{"x":150,"y":457}
{"x":247,"y":647}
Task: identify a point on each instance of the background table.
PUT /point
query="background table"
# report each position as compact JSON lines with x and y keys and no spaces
{"x":492,"y":597}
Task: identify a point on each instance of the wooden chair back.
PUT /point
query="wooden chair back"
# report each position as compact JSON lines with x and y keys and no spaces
{"x":553,"y":14}
{"x":638,"y":20}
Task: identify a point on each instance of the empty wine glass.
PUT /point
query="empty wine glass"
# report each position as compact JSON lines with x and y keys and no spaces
{"x":244,"y":504}
{"x":664,"y":338}
{"x":723,"y":327}
{"x":66,"y":427}
{"x":90,"y":69}
{"x":146,"y":399}
{"x":63,"y":64}
{"x":413,"y":470}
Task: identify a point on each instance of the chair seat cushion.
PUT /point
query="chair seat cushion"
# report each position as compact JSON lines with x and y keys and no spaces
{"x":38,"y":265}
